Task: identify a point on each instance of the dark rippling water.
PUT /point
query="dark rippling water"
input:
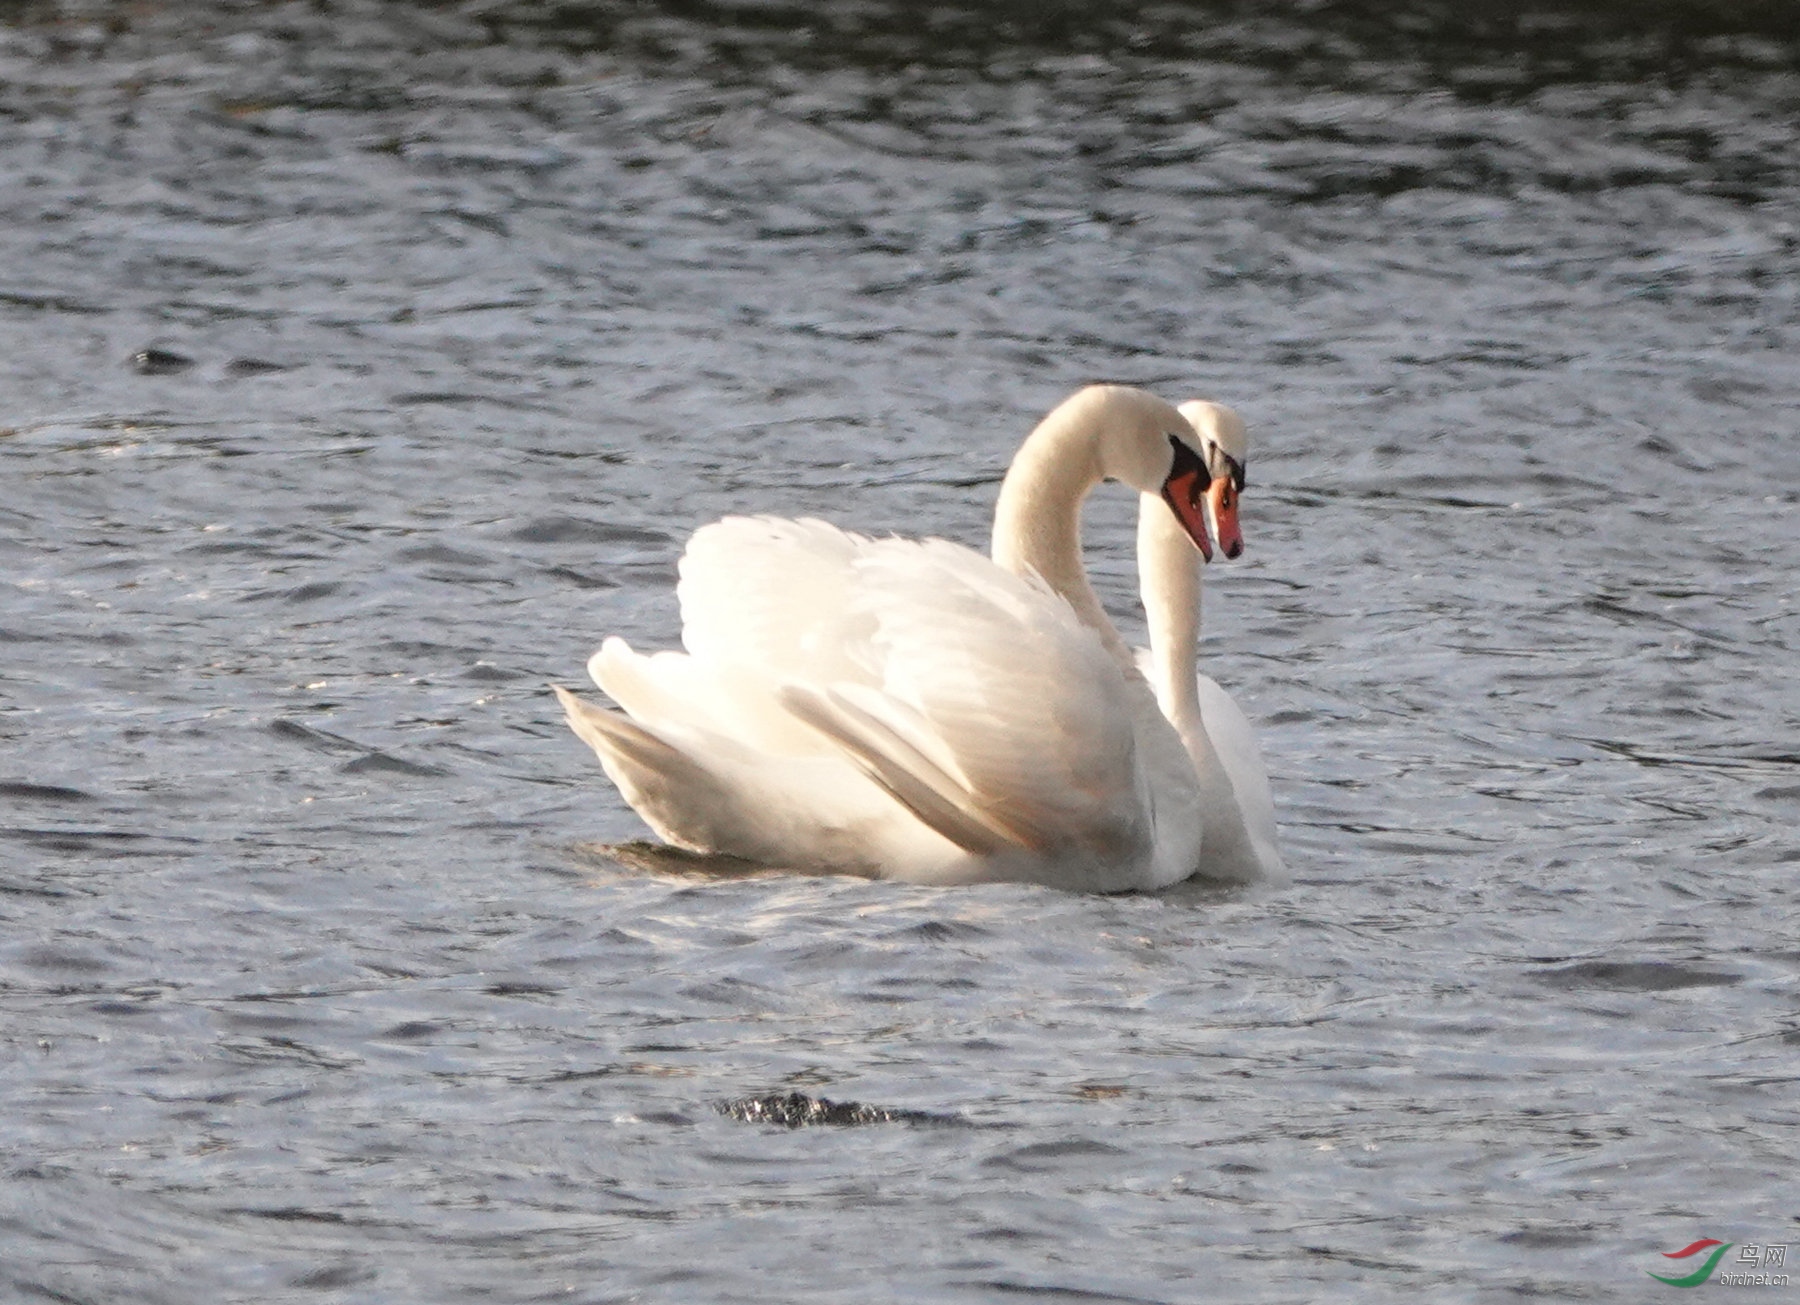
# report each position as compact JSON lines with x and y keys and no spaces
{"x":364,"y":364}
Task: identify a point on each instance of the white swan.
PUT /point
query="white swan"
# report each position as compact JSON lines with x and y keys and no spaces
{"x":912,"y":710}
{"x":1237,"y":811}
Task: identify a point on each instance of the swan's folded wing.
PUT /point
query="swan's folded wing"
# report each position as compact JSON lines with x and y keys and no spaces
{"x":890,"y":756}
{"x":1012,"y":695}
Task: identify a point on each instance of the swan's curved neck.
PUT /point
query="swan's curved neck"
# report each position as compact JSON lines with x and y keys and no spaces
{"x":1037,"y":521}
{"x":1169,"y":580}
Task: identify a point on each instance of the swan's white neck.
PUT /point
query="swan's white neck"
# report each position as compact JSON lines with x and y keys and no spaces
{"x":1169,"y":580}
{"x":1037,"y":521}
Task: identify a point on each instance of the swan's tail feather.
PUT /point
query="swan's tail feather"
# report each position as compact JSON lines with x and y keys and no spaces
{"x":901,"y":770}
{"x":665,"y":785}
{"x":613,"y":736}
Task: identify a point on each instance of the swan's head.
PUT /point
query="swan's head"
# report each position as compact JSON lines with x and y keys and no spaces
{"x":1156,"y":449}
{"x":1224,"y":451}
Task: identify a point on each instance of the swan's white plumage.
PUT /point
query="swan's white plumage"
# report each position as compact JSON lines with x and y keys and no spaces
{"x":774,"y":594}
{"x":1239,"y":842}
{"x":909,"y":708}
{"x":891,"y":653}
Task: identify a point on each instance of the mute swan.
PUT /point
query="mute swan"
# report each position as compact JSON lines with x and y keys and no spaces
{"x":911,"y":710}
{"x":1237,"y":810}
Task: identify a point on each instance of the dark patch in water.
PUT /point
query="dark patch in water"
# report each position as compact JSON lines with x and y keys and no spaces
{"x":292,"y":1214}
{"x":570,"y":530}
{"x":797,"y":1110}
{"x":337,"y":1275}
{"x":159,"y":362}
{"x":305,"y":593}
{"x":369,"y":760}
{"x":935,"y":931}
{"x":252,"y":367}
{"x":1550,"y":1238}
{"x":412,"y":1031}
{"x":317,"y":739}
{"x":43,"y":792}
{"x":580,"y":579}
{"x":442,"y":553}
{"x":521,"y":988}
{"x":1634,"y":976}
{"x":105,"y":842}
{"x":382,"y":763}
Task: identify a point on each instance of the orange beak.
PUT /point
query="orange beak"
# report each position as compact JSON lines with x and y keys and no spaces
{"x":1184,"y":491}
{"x":1222,"y":507}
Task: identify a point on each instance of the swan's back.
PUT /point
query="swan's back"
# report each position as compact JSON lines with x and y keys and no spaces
{"x":774,"y":594}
